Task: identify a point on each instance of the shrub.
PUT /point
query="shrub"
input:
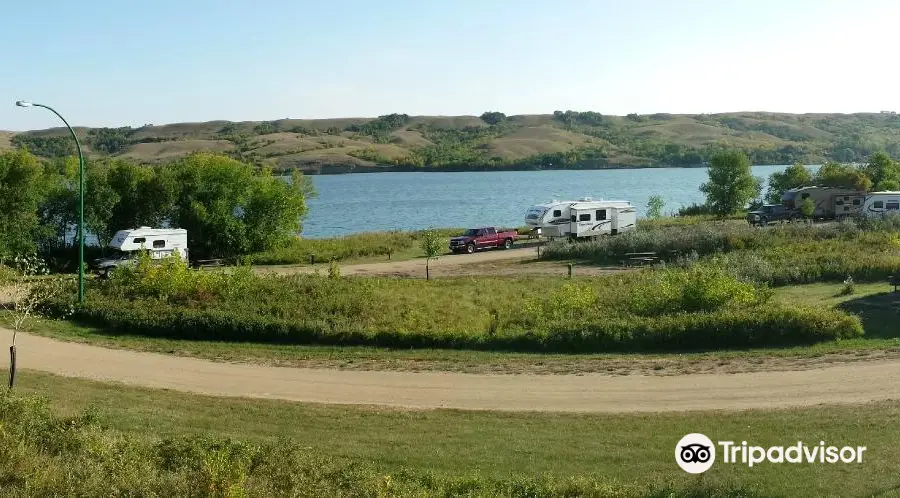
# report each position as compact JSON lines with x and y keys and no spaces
{"x":667,"y":309}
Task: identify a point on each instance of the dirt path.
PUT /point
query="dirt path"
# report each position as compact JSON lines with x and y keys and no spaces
{"x":447,"y":265}
{"x":847,"y":383}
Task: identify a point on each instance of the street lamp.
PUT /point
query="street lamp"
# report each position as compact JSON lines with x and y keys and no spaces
{"x":22,"y":103}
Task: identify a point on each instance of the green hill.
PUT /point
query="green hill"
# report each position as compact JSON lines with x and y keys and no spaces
{"x":492,"y":141}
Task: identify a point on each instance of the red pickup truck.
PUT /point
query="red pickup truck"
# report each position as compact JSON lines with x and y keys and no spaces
{"x":482,"y":238}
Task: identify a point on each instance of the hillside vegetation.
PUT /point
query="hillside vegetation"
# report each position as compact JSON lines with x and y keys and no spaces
{"x":492,"y":141}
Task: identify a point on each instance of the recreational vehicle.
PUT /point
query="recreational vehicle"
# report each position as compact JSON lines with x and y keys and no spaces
{"x":159,"y":242}
{"x":830,"y":202}
{"x":881,"y":203}
{"x":582,"y":218}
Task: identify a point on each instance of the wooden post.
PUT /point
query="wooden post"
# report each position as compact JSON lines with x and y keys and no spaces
{"x":570,"y":270}
{"x":12,"y":366}
{"x":312,"y":259}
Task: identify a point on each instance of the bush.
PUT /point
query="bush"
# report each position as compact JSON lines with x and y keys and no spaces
{"x":670,"y":309}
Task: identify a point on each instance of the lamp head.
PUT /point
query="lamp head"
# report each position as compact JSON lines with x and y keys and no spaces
{"x":22,"y":103}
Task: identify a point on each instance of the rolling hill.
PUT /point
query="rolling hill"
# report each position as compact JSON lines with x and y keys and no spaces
{"x":491,"y":141}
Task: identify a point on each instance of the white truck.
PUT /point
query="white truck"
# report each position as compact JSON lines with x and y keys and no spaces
{"x":159,"y":242}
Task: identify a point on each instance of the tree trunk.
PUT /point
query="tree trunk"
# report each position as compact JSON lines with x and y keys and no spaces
{"x":12,"y":366}
{"x":427,"y":272}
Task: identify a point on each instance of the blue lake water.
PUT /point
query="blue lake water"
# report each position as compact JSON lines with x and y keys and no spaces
{"x":368,"y":202}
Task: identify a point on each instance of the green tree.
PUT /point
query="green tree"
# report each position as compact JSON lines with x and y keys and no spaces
{"x":145,"y":195}
{"x":229,"y":209}
{"x":731,"y":184}
{"x":99,"y":201}
{"x":20,"y":196}
{"x":794,"y":176}
{"x":881,"y":168}
{"x":832,"y":174}
{"x":889,"y":185}
{"x":431,"y":245}
{"x":655,"y":206}
{"x":493,"y":117}
{"x":807,"y":208}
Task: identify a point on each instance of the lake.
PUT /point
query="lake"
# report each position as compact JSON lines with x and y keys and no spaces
{"x":366,"y":202}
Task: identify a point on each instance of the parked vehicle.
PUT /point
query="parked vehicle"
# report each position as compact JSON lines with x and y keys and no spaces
{"x":483,"y":238}
{"x":127,"y":244}
{"x":771,"y":213}
{"x":881,"y":203}
{"x":830,"y":202}
{"x":582,"y":219}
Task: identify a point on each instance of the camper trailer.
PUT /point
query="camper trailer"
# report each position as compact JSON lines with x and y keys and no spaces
{"x":159,"y":242}
{"x":582,"y":218}
{"x":830,"y":202}
{"x":881,"y":203}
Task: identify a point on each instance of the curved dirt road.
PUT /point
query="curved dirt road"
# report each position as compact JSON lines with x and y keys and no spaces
{"x":848,"y":383}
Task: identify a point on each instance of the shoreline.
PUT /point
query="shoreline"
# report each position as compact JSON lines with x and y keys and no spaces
{"x":351,"y":169}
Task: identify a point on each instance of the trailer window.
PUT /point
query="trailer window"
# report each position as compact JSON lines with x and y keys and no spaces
{"x":159,"y":244}
{"x":840,"y":202}
{"x":878,"y":205}
{"x":557,"y":213}
{"x":140,"y":240}
{"x":893,"y":206}
{"x":601,"y":214}
{"x":584,"y":217}
{"x":856,"y":202}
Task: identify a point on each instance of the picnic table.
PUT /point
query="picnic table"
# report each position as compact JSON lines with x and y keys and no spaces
{"x":640,"y":258}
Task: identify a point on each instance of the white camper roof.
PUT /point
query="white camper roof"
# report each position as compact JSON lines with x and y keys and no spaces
{"x":120,"y":239}
{"x":599,"y":204}
{"x":886,"y":192}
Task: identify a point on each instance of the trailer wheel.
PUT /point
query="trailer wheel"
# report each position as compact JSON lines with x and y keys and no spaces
{"x":470,"y":248}
{"x":507,"y":244}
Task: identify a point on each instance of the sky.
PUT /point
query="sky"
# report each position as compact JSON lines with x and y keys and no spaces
{"x":115,"y":63}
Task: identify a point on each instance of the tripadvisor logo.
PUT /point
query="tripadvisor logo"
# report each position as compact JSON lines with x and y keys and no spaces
{"x":696,"y":453}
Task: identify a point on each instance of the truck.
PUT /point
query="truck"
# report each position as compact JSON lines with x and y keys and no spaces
{"x":127,"y":244}
{"x":770,"y":213}
{"x":483,"y":238}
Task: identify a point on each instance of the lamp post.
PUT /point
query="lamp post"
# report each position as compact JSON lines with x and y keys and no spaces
{"x":22,"y":103}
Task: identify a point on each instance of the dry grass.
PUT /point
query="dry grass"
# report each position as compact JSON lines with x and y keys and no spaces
{"x":162,"y":151}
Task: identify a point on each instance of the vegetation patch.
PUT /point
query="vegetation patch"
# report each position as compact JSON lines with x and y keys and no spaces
{"x":696,"y":309}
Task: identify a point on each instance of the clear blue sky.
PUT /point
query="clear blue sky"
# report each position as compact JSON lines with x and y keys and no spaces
{"x":114,"y":63}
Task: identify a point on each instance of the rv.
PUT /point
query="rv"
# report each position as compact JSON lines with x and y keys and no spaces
{"x":830,"y":202}
{"x":582,"y":218}
{"x":159,"y":242}
{"x":881,"y":203}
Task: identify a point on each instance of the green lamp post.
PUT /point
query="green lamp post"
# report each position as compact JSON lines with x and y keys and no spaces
{"x":22,"y":103}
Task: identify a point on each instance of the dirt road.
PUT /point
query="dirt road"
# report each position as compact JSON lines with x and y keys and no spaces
{"x":847,"y":383}
{"x":446,"y":265}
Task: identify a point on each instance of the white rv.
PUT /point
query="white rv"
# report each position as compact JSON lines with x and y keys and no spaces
{"x":881,"y":203}
{"x":582,"y":218}
{"x":159,"y":242}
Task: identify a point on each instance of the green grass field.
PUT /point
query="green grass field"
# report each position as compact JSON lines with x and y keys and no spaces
{"x":629,"y":448}
{"x":881,"y":336}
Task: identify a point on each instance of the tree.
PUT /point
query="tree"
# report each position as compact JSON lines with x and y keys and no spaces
{"x":832,"y":174}
{"x":493,"y":118}
{"x":807,"y":208}
{"x":881,"y":168}
{"x":431,"y":244}
{"x":228,"y":209}
{"x":889,"y":185}
{"x":731,"y":184}
{"x":145,"y":195}
{"x":20,"y":195}
{"x":655,"y":206}
{"x":99,"y":201}
{"x":794,"y":176}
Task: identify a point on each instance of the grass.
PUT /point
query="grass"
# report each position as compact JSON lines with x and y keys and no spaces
{"x":881,"y":337}
{"x":671,"y":310}
{"x":635,"y":448}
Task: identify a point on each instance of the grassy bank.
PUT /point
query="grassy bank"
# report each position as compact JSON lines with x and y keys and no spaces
{"x":779,"y":255}
{"x":871,"y":302}
{"x":671,"y":310}
{"x":167,"y":440}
